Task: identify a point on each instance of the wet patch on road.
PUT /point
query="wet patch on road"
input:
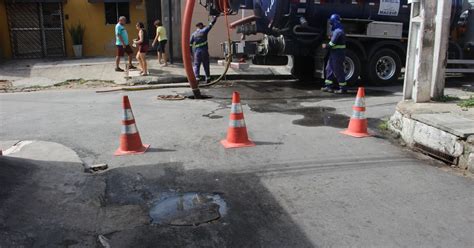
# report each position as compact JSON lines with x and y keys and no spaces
{"x":188,"y":209}
{"x":212,"y":114}
{"x":213,"y":117}
{"x":312,"y":116}
{"x":267,"y":90}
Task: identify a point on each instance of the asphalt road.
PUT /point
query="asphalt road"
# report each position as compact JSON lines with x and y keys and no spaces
{"x":303,"y":185}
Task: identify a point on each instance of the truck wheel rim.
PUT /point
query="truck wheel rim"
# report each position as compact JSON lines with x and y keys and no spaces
{"x":386,"y":67}
{"x":349,"y":68}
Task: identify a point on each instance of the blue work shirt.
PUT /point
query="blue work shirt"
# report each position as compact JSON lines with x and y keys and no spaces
{"x":338,"y":38}
{"x":199,"y":37}
{"x":120,"y":30}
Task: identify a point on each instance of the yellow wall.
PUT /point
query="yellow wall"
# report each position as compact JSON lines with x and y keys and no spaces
{"x":5,"y":48}
{"x":99,"y":39}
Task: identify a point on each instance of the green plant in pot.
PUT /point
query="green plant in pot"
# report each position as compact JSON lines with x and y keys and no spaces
{"x":77,"y":35}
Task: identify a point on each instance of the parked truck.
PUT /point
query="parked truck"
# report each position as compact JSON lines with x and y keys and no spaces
{"x":377,"y":32}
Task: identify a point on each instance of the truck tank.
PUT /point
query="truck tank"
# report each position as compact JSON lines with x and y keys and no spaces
{"x":278,"y":14}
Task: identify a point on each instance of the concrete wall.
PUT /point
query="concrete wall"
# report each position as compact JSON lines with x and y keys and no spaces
{"x":5,"y":47}
{"x":99,"y":39}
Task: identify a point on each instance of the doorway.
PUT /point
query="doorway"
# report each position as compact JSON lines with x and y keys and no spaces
{"x":153,"y":13}
{"x":36,"y":29}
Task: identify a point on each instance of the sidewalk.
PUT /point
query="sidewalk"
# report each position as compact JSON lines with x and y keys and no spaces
{"x":33,"y":73}
{"x":440,"y":129}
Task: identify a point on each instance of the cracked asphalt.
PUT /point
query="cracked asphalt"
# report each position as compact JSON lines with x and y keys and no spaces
{"x":303,"y":185}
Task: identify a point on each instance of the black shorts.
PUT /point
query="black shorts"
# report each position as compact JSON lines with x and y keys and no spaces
{"x":162,"y":46}
{"x":121,"y":51}
{"x":143,"y":48}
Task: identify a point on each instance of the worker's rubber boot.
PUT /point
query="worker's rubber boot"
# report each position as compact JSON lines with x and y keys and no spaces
{"x":327,"y":88}
{"x":341,"y":90}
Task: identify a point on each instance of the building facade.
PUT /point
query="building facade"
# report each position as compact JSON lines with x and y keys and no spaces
{"x":39,"y":28}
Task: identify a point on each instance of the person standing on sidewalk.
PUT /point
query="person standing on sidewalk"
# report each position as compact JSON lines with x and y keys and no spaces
{"x":121,"y":41}
{"x":201,"y":49}
{"x":161,"y":39}
{"x":335,"y":75}
{"x":142,"y":43}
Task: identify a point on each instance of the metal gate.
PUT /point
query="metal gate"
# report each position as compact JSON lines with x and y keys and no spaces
{"x":36,"y":29}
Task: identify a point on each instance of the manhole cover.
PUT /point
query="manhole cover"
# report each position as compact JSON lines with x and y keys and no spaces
{"x":188,"y":209}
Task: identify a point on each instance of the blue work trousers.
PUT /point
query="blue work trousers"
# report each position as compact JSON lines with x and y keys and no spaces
{"x":335,"y":75}
{"x":201,"y":56}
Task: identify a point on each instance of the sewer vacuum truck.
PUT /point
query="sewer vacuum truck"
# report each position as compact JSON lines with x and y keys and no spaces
{"x":377,"y":32}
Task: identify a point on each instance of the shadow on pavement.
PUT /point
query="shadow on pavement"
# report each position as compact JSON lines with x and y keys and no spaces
{"x":54,"y":204}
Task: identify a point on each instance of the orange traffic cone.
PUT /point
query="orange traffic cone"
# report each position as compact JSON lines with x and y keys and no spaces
{"x":237,"y":132}
{"x":130,"y":141}
{"x":358,"y":123}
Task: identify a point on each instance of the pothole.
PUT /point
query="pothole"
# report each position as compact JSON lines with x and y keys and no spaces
{"x":188,"y":209}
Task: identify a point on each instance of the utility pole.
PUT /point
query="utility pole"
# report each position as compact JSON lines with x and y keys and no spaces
{"x":440,"y":59}
{"x":427,"y":50}
{"x":170,"y":29}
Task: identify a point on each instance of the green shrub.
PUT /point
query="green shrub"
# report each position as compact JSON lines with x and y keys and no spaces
{"x":467,"y":103}
{"x":77,"y":33}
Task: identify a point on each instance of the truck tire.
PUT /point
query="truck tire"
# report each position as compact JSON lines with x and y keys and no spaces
{"x":384,"y":67}
{"x":352,"y":67}
{"x":303,"y":68}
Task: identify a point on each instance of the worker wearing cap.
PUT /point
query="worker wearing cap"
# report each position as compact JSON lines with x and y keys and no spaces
{"x":335,"y":75}
{"x":201,"y":48}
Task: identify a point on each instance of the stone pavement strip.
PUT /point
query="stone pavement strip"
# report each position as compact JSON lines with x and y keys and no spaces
{"x":43,"y":73}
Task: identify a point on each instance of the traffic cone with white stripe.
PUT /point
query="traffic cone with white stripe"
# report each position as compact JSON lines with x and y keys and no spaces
{"x":130,"y":141}
{"x":358,"y":123}
{"x":237,"y":132}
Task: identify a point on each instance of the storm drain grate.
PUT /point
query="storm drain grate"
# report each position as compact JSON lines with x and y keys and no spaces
{"x":435,"y":153}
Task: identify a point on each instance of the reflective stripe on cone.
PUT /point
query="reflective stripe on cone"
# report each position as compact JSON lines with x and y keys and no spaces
{"x":236,"y":108}
{"x":129,"y":129}
{"x":237,"y":123}
{"x":127,"y":115}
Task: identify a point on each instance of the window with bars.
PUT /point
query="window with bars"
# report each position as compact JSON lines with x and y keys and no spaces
{"x":115,"y":10}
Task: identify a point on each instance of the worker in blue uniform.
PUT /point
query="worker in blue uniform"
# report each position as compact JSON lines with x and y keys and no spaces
{"x":335,"y":75}
{"x":201,"y":49}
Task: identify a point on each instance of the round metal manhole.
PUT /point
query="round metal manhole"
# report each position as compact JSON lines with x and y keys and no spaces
{"x":188,"y":209}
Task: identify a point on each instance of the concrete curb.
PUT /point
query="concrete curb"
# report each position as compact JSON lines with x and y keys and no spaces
{"x":432,"y":140}
{"x":181,"y":79}
{"x":41,"y":151}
